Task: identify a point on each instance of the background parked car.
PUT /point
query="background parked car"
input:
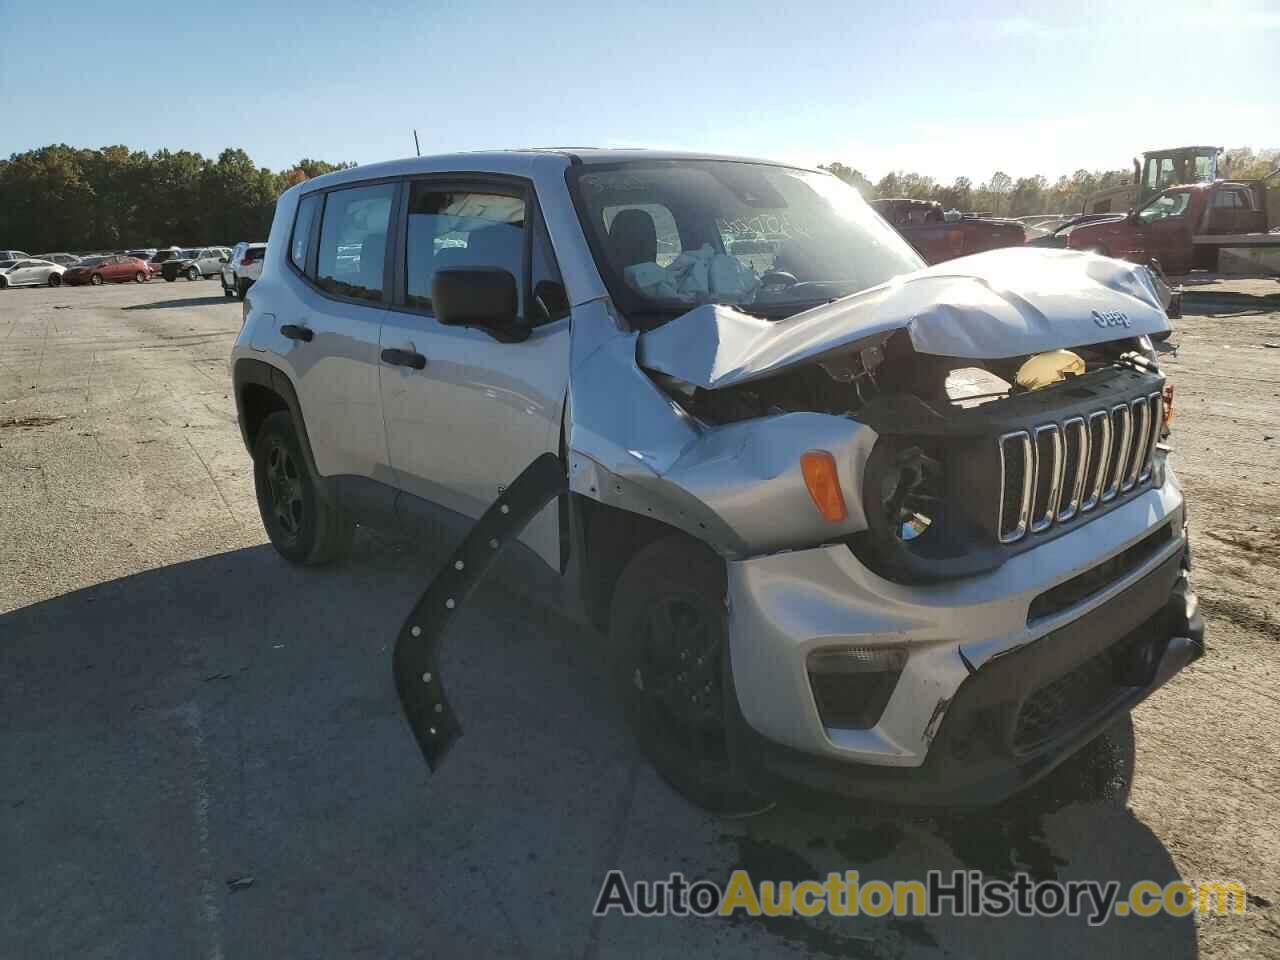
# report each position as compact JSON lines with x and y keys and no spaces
{"x":61,"y":259}
{"x":116,"y":268}
{"x":245,"y":267}
{"x":29,"y":273}
{"x":196,"y":264}
{"x":13,"y":255}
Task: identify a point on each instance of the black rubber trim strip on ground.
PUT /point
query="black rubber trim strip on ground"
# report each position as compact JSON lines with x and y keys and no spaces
{"x":416,"y":661}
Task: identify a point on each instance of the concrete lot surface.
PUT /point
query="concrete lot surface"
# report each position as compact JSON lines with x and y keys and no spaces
{"x":202,"y":752}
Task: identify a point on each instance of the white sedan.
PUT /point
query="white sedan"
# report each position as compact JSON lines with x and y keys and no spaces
{"x":30,"y":273}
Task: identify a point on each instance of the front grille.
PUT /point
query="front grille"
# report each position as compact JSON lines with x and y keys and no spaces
{"x":1054,"y":471}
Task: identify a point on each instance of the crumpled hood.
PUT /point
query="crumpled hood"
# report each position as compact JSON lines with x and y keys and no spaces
{"x":1003,"y":303}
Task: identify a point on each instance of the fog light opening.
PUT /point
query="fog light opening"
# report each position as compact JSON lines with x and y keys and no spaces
{"x":852,"y":685}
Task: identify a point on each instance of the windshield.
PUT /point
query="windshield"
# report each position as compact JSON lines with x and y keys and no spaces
{"x":1165,"y":206}
{"x":669,"y":235}
{"x":91,"y":261}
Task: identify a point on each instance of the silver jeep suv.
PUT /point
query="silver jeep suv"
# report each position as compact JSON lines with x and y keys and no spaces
{"x":847,"y":522}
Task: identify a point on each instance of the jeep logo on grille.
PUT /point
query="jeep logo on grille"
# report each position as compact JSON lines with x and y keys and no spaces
{"x":1110,"y":318}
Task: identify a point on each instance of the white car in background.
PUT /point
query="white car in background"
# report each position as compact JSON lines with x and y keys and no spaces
{"x":244,"y":268}
{"x":13,"y":255}
{"x":30,"y":273}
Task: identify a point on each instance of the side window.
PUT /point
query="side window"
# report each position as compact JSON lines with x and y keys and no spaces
{"x":306,"y":214}
{"x":550,"y":302}
{"x":353,"y":241}
{"x":460,"y":228}
{"x":643,"y":226}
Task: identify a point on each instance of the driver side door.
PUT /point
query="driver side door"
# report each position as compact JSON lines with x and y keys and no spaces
{"x":462,"y":425}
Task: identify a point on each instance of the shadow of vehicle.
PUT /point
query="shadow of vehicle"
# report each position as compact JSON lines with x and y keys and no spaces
{"x":209,"y":758}
{"x":187,"y":303}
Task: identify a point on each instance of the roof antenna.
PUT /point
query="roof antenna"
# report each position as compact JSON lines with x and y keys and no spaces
{"x":416,"y":149}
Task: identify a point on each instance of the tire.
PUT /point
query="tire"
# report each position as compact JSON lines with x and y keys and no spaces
{"x":193,"y":273}
{"x":55,"y":280}
{"x":139,"y":277}
{"x":96,"y":279}
{"x":228,"y":292}
{"x":304,"y":528}
{"x":169,"y":279}
{"x":242,"y":287}
{"x":669,"y":644}
{"x":4,"y":284}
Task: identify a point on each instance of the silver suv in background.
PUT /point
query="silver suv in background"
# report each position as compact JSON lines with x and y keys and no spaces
{"x":243,"y":269}
{"x":61,"y":259}
{"x":843,"y":521}
{"x":198,"y":263}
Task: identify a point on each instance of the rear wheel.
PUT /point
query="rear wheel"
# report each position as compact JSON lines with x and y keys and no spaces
{"x":242,"y":287}
{"x":4,"y":284}
{"x":96,"y":279}
{"x":55,"y":279}
{"x":139,"y":277}
{"x":669,"y":634}
{"x":193,"y":273}
{"x":303,"y":527}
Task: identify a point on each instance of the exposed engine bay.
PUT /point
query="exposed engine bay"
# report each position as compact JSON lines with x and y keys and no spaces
{"x":843,"y":383}
{"x":943,"y":493}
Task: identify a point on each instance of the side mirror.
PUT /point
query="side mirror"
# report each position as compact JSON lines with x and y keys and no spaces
{"x":481,"y":297}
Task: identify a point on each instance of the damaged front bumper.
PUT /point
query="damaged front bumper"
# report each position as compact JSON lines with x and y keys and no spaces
{"x":1003,"y":676}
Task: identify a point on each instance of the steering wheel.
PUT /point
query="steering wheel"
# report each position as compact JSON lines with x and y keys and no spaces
{"x":778,"y":279}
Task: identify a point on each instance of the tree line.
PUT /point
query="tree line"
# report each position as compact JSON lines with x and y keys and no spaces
{"x":112,"y":198}
{"x":1004,"y":196}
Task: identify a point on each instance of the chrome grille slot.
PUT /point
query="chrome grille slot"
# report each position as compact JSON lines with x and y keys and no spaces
{"x":1099,"y":424}
{"x":1155,"y":419}
{"x":1139,"y":411}
{"x":1075,"y":466}
{"x":1016,"y":473}
{"x":1121,"y":435}
{"x":1052,"y":472}
{"x":1047,"y":487}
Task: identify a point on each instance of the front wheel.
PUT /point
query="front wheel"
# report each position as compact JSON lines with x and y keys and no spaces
{"x":139,"y":277}
{"x":96,"y":279}
{"x":55,"y":279}
{"x":304,"y":528}
{"x":669,"y":639}
{"x":193,"y":273}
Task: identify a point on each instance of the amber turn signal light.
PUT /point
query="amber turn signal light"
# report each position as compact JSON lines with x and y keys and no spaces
{"x":820,"y":476}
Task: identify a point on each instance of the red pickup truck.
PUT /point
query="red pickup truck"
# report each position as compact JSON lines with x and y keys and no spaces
{"x":1184,"y":227}
{"x":936,"y":238}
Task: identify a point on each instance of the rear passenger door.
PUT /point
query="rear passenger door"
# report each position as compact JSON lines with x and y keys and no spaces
{"x":462,"y":427}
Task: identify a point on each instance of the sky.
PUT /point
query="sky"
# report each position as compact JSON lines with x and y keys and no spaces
{"x":943,"y":89}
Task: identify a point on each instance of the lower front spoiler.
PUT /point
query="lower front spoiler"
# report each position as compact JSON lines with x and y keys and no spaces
{"x":976,"y":760}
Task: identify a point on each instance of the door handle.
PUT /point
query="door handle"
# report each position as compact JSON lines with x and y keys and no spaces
{"x":295,"y":332}
{"x":404,"y":358}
